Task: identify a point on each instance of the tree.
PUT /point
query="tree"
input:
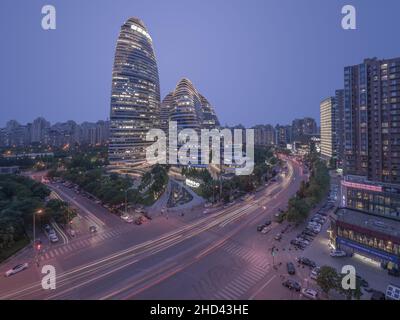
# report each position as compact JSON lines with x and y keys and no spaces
{"x":328,"y":279}
{"x":350,"y":293}
{"x":59,"y":211}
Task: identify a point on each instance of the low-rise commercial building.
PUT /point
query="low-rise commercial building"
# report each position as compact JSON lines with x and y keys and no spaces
{"x":376,"y":238}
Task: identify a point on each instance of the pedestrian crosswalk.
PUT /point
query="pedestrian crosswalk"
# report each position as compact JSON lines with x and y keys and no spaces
{"x":77,"y":244}
{"x":240,"y":285}
{"x":254,"y":258}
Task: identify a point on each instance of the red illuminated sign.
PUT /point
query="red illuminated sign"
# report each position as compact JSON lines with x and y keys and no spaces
{"x":362,"y":186}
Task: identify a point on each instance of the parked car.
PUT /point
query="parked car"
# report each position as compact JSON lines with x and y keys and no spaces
{"x":260,"y":227}
{"x":16,"y":269}
{"x":264,"y":230}
{"x":290,"y":268}
{"x":314,"y":273}
{"x":378,"y":295}
{"x":53,"y":238}
{"x":309,"y":293}
{"x":394,"y":272}
{"x":278,"y":237}
{"x":47,"y":228}
{"x":363,"y":283}
{"x":267,"y":223}
{"x":338,"y":253}
{"x":307,"y":262}
{"x":292,"y":285}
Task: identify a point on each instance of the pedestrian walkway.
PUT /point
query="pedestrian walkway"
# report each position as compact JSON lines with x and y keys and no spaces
{"x":81,"y":243}
{"x":238,"y":287}
{"x":250,"y":256}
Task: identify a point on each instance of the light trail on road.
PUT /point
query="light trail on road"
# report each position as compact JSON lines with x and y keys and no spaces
{"x":99,"y":269}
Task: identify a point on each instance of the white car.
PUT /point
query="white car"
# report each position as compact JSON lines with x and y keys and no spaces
{"x":338,"y":253}
{"x":53,"y":238}
{"x":16,"y":269}
{"x":314,"y":273}
{"x":127,"y":218}
{"x":264,"y":230}
{"x":309,"y":293}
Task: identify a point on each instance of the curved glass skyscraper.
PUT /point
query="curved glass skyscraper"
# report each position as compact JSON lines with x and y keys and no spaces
{"x":135,"y":97}
{"x":188,"y":108}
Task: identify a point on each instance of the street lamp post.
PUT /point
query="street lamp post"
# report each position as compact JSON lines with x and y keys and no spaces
{"x":34,"y":232}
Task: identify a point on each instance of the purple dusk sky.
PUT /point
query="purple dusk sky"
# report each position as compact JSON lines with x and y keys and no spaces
{"x":257,"y":62}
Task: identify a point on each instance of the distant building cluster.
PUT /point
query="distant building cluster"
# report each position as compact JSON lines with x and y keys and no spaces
{"x":41,"y":132}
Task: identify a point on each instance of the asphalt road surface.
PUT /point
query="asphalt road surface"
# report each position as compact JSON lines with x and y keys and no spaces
{"x":217,"y":256}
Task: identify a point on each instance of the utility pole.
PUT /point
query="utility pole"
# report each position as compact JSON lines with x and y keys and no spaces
{"x":34,"y":233}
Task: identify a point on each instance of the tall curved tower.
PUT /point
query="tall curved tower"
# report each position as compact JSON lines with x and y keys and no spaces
{"x":189,"y":108}
{"x":135,"y":96}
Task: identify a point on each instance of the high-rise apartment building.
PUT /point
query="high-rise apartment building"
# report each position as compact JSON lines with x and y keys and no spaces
{"x":304,"y":127}
{"x":328,"y":138}
{"x":283,"y":135}
{"x":264,"y":135}
{"x":39,"y":130}
{"x":372,"y":120}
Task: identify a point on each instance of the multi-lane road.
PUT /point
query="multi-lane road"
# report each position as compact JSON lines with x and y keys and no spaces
{"x":219,"y":255}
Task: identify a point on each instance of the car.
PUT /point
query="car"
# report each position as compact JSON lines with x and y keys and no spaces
{"x":307,"y":237}
{"x":307,"y":262}
{"x":314,"y":224}
{"x":304,"y":242}
{"x":338,"y":253}
{"x":292,"y":285}
{"x":290,"y":268}
{"x":264,"y":230}
{"x":260,"y":227}
{"x":47,"y":228}
{"x":309,"y":233}
{"x":92,"y":229}
{"x":314,"y":273}
{"x":378,"y":295}
{"x":294,"y":242}
{"x":394,"y":272}
{"x":267,"y":223}
{"x":363,"y":283}
{"x":309,"y":293}
{"x":51,"y":232}
{"x":127,"y":218}
{"x":53,"y":238}
{"x":278,"y":237}
{"x":16,"y":269}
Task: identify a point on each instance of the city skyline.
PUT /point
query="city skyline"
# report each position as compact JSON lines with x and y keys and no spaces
{"x":202,"y":57}
{"x":248,"y":151}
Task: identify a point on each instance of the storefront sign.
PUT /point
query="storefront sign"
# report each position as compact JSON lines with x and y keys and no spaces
{"x":361,"y":186}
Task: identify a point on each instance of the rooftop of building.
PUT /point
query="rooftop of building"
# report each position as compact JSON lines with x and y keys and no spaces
{"x":368,"y":221}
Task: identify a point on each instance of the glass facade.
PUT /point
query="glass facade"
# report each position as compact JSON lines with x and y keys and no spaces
{"x":369,"y":240}
{"x":381,"y":203}
{"x":135,"y":97}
